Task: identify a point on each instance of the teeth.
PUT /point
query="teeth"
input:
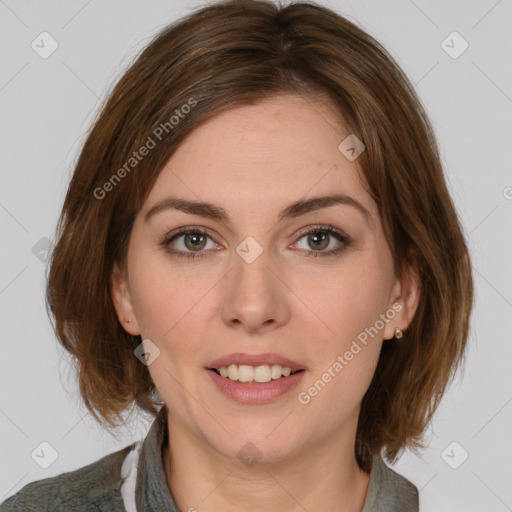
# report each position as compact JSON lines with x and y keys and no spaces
{"x":232,"y":372}
{"x":262,"y":373}
{"x":275,"y":371}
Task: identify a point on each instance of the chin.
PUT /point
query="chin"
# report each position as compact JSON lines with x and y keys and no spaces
{"x":251,"y":443}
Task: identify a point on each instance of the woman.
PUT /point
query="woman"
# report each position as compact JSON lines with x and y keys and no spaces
{"x":258,"y":231}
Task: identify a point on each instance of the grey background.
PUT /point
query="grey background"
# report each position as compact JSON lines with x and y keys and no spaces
{"x":48,"y":104}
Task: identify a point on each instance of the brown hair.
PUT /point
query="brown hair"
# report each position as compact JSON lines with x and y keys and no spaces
{"x":238,"y":52}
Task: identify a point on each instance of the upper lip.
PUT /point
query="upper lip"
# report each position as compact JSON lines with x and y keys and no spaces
{"x":255,"y":360}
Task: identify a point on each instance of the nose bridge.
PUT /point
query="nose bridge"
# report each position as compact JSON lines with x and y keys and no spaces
{"x":252,"y":264}
{"x":254,"y":296}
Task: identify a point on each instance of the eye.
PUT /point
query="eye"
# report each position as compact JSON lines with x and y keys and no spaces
{"x":321,"y":238}
{"x":192,"y":242}
{"x":193,"y":239}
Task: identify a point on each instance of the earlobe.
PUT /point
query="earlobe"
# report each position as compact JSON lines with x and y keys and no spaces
{"x":122,"y":301}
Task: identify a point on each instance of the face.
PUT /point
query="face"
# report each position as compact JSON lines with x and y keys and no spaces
{"x":251,"y":286}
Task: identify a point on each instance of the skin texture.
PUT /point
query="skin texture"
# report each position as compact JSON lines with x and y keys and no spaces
{"x":253,"y":161}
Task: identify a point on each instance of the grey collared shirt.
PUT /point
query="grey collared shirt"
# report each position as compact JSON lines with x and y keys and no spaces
{"x":97,"y":486}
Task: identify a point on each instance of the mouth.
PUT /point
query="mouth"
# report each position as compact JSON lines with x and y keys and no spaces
{"x":254,"y":374}
{"x":255,"y":378}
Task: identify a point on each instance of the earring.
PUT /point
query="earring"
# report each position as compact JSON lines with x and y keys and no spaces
{"x":398,"y":333}
{"x":127,"y":321}
{"x":155,"y":399}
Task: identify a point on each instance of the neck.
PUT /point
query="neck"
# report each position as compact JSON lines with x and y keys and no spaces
{"x":202,"y":479}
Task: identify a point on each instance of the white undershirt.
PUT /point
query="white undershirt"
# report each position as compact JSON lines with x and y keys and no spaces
{"x":129,"y":477}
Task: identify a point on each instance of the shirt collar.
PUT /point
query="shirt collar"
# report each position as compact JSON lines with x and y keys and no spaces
{"x":151,"y":490}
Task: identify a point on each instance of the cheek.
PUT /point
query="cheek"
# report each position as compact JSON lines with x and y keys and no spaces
{"x":347,"y":310}
{"x":163,"y":293}
{"x":347,"y":300}
{"x":175,"y":308}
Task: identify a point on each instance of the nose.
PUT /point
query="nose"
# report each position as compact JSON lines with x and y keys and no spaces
{"x":256,"y":296}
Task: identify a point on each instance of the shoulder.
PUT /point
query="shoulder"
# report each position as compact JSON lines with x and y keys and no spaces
{"x":74,"y":490}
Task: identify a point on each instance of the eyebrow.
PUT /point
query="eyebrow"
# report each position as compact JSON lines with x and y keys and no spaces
{"x":296,"y":209}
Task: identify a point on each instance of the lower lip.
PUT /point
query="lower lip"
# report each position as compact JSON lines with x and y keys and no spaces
{"x":255,"y":392}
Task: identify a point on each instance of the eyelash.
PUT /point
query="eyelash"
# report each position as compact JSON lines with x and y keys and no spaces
{"x":328,"y":229}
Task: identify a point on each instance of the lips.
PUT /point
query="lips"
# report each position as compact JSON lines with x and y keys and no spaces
{"x":258,"y":390}
{"x":256,"y":393}
{"x":239,"y":358}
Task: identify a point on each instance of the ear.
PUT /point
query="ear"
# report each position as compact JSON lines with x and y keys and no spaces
{"x":404,"y":297}
{"x":122,"y":300}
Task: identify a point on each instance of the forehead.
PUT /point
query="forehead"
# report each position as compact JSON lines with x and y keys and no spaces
{"x":258,"y":158}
